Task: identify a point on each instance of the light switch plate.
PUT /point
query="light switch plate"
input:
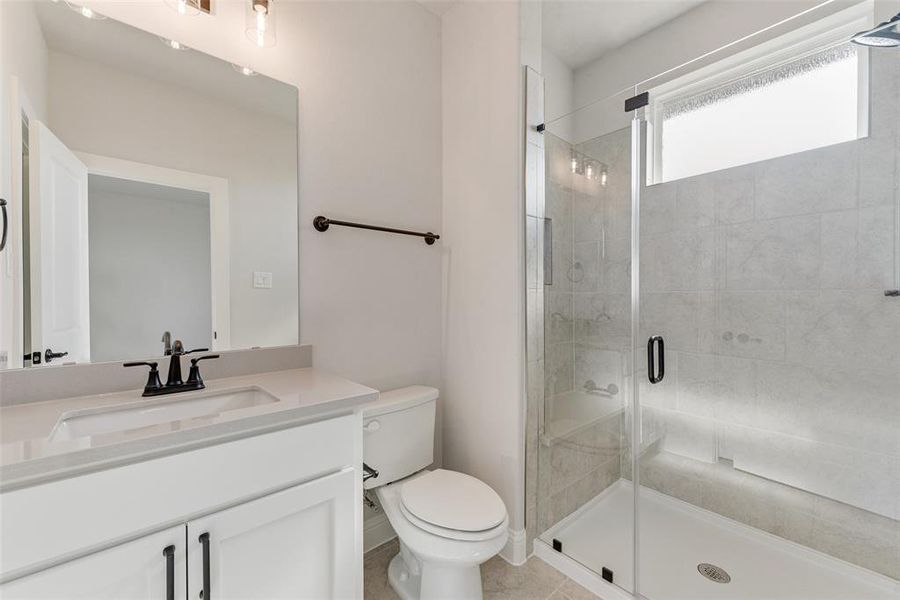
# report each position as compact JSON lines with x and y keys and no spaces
{"x":262,"y":280}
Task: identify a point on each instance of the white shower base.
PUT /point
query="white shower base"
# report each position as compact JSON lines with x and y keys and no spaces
{"x":676,"y":537}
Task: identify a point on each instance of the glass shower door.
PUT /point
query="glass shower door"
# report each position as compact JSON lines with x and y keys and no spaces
{"x":768,"y":450}
{"x":585,"y":234}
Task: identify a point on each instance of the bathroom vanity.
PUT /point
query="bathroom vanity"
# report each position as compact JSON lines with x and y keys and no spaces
{"x":152,"y":212}
{"x":250,"y":488}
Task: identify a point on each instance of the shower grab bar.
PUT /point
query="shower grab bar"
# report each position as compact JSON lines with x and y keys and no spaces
{"x":322,"y":223}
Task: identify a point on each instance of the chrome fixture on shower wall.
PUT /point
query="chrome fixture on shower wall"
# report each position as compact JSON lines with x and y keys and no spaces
{"x":885,"y":35}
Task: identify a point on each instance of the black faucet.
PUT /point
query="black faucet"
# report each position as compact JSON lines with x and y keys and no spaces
{"x":173,"y":382}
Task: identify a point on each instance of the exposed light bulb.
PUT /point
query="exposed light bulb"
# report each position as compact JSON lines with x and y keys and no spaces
{"x":260,"y":27}
{"x":260,"y":22}
{"x":589,"y":171}
{"x":86,"y":12}
{"x":186,"y":8}
{"x":604,"y":177}
{"x":574,"y":164}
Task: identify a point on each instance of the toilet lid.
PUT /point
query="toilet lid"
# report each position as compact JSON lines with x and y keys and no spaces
{"x":453,"y":500}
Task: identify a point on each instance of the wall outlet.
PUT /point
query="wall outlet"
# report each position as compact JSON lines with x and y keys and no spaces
{"x":262,"y":280}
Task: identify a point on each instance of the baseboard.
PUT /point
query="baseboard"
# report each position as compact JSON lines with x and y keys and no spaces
{"x":514,"y":550}
{"x":377,"y":530}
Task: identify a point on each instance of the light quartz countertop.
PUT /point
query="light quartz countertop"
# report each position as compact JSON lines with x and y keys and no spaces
{"x":29,"y":455}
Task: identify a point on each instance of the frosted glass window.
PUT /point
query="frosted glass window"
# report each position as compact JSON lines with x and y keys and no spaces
{"x":806,"y":103}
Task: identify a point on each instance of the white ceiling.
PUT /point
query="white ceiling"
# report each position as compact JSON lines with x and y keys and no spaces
{"x":113,"y":185}
{"x":581,"y":31}
{"x":114,"y":44}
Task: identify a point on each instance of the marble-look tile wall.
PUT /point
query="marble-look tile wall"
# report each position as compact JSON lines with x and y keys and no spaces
{"x":781,"y":404}
{"x":576,"y":467}
{"x":832,"y":527}
{"x":581,"y":354}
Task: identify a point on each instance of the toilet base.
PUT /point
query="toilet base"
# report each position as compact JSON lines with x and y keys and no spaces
{"x":434,"y":581}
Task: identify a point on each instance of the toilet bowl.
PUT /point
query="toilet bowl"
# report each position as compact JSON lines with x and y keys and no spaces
{"x":448,"y":523}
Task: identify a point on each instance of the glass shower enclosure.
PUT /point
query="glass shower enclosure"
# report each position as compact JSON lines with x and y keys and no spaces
{"x":714,"y":366}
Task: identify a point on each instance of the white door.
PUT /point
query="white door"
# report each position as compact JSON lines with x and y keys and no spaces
{"x":148,"y":568}
{"x":60,"y":305}
{"x":297,"y":543}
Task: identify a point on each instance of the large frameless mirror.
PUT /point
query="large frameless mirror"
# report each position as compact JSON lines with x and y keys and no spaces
{"x":154,"y":195}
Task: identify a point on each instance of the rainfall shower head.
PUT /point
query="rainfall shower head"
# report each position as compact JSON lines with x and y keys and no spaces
{"x":885,"y":35}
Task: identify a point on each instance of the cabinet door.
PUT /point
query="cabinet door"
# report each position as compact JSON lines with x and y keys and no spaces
{"x":151,"y":567}
{"x":296,"y":543}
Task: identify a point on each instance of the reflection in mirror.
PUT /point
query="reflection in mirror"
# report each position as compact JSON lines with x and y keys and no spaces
{"x":134,"y":230}
{"x":154,"y":195}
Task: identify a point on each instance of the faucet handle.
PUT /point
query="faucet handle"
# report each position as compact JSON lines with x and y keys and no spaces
{"x":153,"y":382}
{"x":194,"y":374}
{"x":197,"y":350}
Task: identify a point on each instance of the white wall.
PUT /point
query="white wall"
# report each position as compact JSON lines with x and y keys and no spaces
{"x":369,"y":79}
{"x":708,"y":27}
{"x":483,"y":248}
{"x":559,"y":90}
{"x":604,"y":84}
{"x":23,"y":54}
{"x":150,"y":272}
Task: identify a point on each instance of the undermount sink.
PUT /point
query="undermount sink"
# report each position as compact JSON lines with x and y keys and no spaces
{"x":171,"y":409}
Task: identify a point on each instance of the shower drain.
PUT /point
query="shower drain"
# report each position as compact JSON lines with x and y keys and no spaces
{"x":714,"y":573}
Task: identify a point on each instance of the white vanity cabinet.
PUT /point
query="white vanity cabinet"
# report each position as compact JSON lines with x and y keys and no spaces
{"x":275,"y":515}
{"x":292,"y":544}
{"x":148,"y":568}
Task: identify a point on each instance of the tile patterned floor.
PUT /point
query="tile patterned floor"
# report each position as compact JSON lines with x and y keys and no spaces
{"x":535,"y":580}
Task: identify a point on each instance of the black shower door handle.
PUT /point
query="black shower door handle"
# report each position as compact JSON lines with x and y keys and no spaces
{"x":655,"y":373}
{"x":5,"y":224}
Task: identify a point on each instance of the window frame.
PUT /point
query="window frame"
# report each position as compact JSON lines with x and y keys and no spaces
{"x":816,"y":37}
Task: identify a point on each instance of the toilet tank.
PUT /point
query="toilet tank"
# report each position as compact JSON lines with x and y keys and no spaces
{"x":398,"y":433}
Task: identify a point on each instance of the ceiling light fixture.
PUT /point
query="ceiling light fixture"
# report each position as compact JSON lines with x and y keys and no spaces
{"x":186,"y":8}
{"x":260,"y":22}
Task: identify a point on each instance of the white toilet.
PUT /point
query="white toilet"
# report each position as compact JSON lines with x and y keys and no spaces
{"x":448,"y":522}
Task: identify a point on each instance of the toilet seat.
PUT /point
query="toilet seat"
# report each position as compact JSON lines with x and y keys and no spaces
{"x":452,"y":505}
